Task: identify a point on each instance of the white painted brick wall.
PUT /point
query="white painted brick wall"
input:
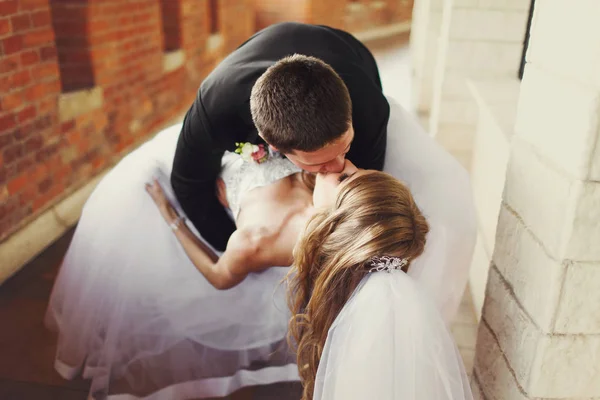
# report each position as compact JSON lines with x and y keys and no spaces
{"x":522,"y":5}
{"x":482,"y":40}
{"x":490,"y":160}
{"x":595,"y":164}
{"x":546,"y":366}
{"x":565,"y":38}
{"x":543,"y":297}
{"x":579,"y":309}
{"x":536,"y":278}
{"x":459,"y":54}
{"x":583,"y":243}
{"x":456,"y":136}
{"x":491,"y":25}
{"x":427,"y":70}
{"x":478,"y":275}
{"x":567,"y":367}
{"x":458,"y":140}
{"x":540,"y":194}
{"x":466,"y":3}
{"x":517,"y":336}
{"x":458,"y":112}
{"x":425,"y":53}
{"x":560,"y":118}
{"x":454,"y":86}
{"x":494,"y":57}
{"x":496,"y":380}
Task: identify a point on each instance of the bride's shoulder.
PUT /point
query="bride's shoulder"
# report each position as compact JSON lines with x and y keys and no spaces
{"x":256,"y":247}
{"x":249,"y":240}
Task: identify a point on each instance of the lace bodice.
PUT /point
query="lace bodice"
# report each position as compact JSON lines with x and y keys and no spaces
{"x":240,"y":176}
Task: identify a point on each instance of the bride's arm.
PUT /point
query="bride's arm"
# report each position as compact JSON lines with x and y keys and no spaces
{"x":244,"y":253}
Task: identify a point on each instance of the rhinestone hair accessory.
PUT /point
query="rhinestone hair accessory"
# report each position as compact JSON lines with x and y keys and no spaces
{"x":387,"y":263}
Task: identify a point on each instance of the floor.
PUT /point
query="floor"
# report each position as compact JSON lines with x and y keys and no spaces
{"x":27,"y":348}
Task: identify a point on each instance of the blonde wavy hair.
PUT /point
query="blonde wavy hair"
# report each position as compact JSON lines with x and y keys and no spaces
{"x":374,"y":215}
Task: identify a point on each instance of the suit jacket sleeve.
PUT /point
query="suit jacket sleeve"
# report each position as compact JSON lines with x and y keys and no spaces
{"x":196,"y":166}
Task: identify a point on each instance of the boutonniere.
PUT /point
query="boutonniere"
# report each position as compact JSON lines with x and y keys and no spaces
{"x":257,"y":153}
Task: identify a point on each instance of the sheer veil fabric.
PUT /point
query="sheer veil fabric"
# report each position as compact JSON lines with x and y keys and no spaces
{"x":390,"y":342}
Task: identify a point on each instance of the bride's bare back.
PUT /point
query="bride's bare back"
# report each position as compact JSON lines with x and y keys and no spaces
{"x":269,"y":222}
{"x":277,"y":213}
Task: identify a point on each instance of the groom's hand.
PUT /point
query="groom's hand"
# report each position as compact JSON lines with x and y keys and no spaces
{"x":222,"y":193}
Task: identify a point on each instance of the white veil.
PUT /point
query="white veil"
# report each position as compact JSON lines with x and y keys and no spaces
{"x":390,"y":342}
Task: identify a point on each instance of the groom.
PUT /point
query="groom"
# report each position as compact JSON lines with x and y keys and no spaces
{"x":311,"y":92}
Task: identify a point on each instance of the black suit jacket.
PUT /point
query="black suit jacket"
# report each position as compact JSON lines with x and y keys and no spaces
{"x":220,"y":115}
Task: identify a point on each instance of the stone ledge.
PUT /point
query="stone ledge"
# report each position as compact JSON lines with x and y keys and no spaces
{"x":173,"y":60}
{"x":500,"y":98}
{"x":25,"y":244}
{"x":74,"y":104}
{"x":214,"y":42}
{"x":383,"y":32}
{"x":497,"y":104}
{"x":478,"y":275}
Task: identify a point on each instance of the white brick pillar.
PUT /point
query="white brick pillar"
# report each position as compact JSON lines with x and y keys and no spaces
{"x":477,"y":39}
{"x":424,"y":38}
{"x":539,"y":337}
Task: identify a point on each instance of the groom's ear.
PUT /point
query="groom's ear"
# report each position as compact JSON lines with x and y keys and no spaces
{"x":269,"y":144}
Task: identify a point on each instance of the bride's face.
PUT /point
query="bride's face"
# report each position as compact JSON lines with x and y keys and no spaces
{"x":327,"y":185}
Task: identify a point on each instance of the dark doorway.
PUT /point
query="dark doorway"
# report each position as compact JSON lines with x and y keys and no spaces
{"x":526,"y":41}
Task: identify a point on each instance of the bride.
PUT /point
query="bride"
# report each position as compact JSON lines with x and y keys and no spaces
{"x":363,"y":328}
{"x":358,"y":336}
{"x":136,"y":316}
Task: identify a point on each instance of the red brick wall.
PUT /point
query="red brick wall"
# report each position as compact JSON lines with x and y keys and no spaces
{"x":233,"y":29}
{"x":29,"y":87}
{"x":115,"y":45}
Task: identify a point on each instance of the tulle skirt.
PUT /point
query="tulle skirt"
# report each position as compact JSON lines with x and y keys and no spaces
{"x":136,"y":317}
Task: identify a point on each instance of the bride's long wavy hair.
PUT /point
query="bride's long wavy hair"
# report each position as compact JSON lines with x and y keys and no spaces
{"x":374,"y":215}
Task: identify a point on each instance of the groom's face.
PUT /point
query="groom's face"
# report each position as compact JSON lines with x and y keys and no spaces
{"x":330,"y":158}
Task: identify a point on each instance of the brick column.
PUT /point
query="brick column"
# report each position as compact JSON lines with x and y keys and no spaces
{"x":424,"y":40}
{"x":273,"y":11}
{"x":540,"y":331}
{"x":236,"y":22}
{"x":329,"y":13}
{"x":126,"y":46}
{"x":195,"y":25}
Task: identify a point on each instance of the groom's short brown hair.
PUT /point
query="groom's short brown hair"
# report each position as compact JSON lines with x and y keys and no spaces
{"x":300,"y":103}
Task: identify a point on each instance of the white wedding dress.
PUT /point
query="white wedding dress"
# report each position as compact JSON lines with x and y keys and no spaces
{"x":136,"y":317}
